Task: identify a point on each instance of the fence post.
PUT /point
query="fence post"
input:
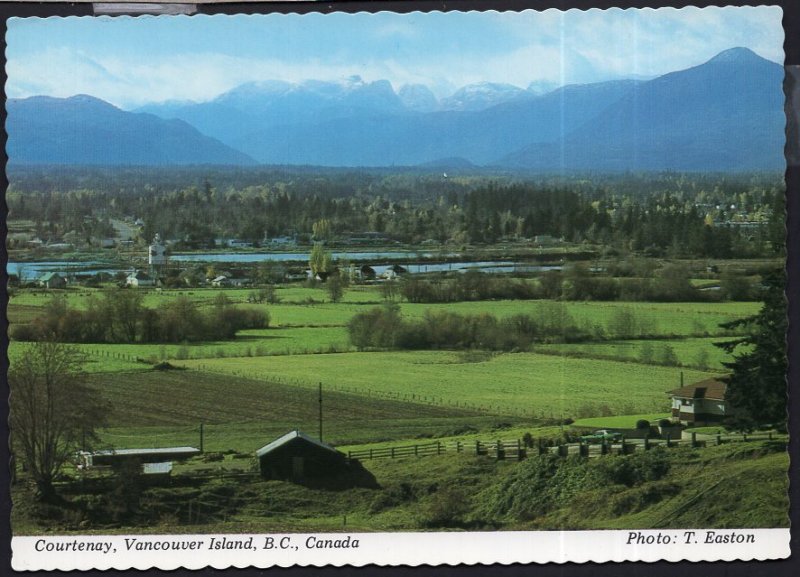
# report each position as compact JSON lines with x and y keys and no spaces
{"x":604,"y":447}
{"x":438,"y":447}
{"x":519,"y":450}
{"x":416,"y":450}
{"x":719,"y":439}
{"x":370,"y":453}
{"x":392,"y":452}
{"x":646,"y":443}
{"x":477,"y":447}
{"x":694,"y":440}
{"x":501,"y":452}
{"x":583,"y":449}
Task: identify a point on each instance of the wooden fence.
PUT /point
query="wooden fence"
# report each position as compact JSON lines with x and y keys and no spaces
{"x":517,"y":450}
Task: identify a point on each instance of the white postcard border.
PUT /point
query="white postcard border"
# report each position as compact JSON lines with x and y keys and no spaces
{"x":82,"y":552}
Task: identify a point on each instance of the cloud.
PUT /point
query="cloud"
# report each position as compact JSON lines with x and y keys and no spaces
{"x":139,"y":61}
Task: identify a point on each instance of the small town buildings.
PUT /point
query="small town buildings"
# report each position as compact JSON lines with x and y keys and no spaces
{"x":220,"y":281}
{"x":296,"y":456}
{"x":53,"y":280}
{"x":367,"y":272}
{"x":284,"y":241}
{"x":139,"y":279}
{"x":701,"y":403}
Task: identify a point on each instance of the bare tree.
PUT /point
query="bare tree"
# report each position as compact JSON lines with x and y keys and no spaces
{"x":53,"y":411}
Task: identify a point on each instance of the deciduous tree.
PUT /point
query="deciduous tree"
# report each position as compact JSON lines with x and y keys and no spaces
{"x":53,"y":411}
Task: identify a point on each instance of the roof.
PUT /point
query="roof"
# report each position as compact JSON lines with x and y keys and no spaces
{"x":49,"y":276}
{"x":290,"y":436}
{"x":138,"y":452}
{"x":709,"y":389}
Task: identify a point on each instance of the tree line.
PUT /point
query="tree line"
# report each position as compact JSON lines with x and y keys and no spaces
{"x":385,"y":328}
{"x":577,"y":282}
{"x":121,"y":317}
{"x":691,"y":216}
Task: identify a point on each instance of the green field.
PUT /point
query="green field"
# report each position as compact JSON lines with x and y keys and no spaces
{"x":696,"y":353}
{"x":538,"y":385}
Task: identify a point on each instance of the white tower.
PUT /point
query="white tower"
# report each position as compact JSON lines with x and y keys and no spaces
{"x":157,"y":257}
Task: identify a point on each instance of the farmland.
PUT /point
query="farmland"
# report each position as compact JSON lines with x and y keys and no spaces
{"x":245,"y":391}
{"x":541,"y":385}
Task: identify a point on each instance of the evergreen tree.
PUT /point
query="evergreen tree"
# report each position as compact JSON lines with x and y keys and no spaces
{"x":757,"y":384}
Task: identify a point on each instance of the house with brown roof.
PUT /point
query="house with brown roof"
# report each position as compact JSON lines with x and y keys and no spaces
{"x":700,"y":403}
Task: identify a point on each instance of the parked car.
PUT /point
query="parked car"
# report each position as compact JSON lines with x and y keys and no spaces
{"x":602,"y":435}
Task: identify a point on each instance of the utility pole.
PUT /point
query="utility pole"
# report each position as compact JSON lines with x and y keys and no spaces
{"x":320,"y":411}
{"x":201,"y":437}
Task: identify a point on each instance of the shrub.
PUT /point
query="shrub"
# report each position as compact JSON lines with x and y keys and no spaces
{"x":448,"y":507}
{"x":642,"y":424}
{"x":635,"y":469}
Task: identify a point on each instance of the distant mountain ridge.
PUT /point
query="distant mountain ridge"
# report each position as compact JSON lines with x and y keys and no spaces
{"x":725,"y":114}
{"x":86,"y":130}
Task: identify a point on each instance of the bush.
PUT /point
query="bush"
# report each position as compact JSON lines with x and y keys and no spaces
{"x":635,"y":469}
{"x":642,"y":424}
{"x":448,"y":507}
{"x":664,"y":423}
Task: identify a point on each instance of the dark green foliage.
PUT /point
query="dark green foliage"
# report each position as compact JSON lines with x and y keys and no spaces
{"x":642,"y":424}
{"x":548,"y":482}
{"x":757,"y":384}
{"x":448,"y":507}
{"x":120,"y":317}
{"x":538,"y":485}
{"x":635,"y":469}
{"x":656,"y":214}
{"x":642,"y":497}
{"x":384,"y":328}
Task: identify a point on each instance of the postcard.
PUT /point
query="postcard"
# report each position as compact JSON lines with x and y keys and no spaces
{"x":330,"y":288}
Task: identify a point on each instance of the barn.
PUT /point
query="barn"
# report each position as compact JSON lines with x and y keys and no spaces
{"x":53,"y":280}
{"x":297,"y":457}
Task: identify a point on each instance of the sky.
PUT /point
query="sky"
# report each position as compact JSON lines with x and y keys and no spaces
{"x":134,"y":61}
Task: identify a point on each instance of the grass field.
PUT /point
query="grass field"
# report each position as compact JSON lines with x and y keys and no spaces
{"x":165,"y":408}
{"x":697,"y":353}
{"x":541,"y":385}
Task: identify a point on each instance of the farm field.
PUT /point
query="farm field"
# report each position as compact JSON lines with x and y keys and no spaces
{"x":165,"y":408}
{"x":537,"y":385}
{"x":697,"y":353}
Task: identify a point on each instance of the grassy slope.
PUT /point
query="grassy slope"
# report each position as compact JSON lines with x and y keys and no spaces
{"x":734,"y":485}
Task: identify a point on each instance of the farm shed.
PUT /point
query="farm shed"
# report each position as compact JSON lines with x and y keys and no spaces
{"x":117,"y":457}
{"x":53,"y":280}
{"x":297,"y":456}
{"x":700,"y":403}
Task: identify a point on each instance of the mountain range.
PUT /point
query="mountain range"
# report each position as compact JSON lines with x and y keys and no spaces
{"x":725,"y":114}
